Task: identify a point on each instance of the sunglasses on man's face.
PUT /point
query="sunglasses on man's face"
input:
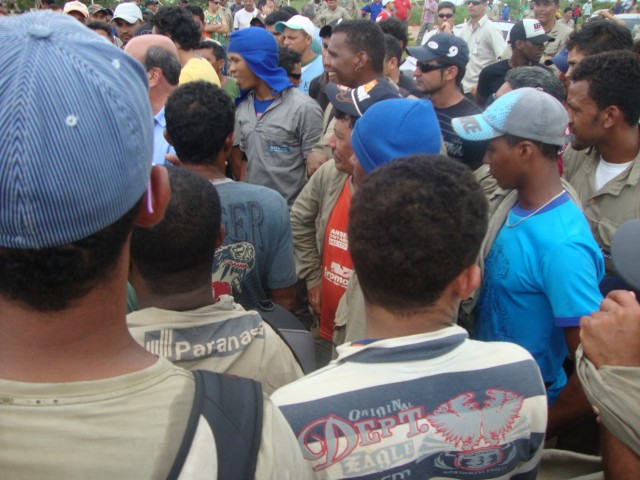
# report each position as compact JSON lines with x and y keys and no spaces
{"x":445,"y":15}
{"x":296,"y":76}
{"x":429,"y":67}
{"x":474,"y":2}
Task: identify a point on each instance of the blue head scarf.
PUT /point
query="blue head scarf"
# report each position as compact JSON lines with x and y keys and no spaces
{"x":259,"y":49}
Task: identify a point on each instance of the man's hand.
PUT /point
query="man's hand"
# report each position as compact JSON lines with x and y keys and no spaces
{"x":315,"y":161}
{"x":611,"y":336}
{"x":315,"y":299}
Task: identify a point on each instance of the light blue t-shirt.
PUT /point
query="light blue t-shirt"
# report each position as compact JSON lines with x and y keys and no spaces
{"x":160,"y":145}
{"x":541,"y":275}
{"x":257,"y":253}
{"x":309,"y":72}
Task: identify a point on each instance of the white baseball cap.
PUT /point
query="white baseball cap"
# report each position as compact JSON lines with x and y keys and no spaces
{"x":297,"y":22}
{"x":129,"y":12}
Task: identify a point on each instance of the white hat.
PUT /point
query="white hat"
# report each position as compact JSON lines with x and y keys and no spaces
{"x":129,"y":12}
{"x":76,"y":7}
{"x":297,"y":22}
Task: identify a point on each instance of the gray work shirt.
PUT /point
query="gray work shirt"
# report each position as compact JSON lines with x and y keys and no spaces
{"x":278,"y":142}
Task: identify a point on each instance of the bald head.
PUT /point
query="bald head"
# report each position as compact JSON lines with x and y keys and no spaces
{"x":137,"y":47}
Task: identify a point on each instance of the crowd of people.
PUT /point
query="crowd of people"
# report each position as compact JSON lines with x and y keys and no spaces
{"x":452,"y":223}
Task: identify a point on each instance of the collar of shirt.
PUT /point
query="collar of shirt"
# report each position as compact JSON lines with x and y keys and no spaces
{"x":159,"y":118}
{"x":422,"y":346}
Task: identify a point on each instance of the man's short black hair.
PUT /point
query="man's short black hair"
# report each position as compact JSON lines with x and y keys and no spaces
{"x":199,"y":116}
{"x":345,"y":116}
{"x":415,"y":224}
{"x":613,"y":78}
{"x":97,"y":25}
{"x":215,"y":47}
{"x":176,"y":255}
{"x":277,"y":16}
{"x":568,"y":9}
{"x":548,"y":151}
{"x":450,"y":5}
{"x":363,"y":35}
{"x":178,"y":24}
{"x":393,"y":49}
{"x":462,"y":69}
{"x":197,"y":11}
{"x":159,"y":57}
{"x":395,"y":27}
{"x":288,"y":58}
{"x":49,"y":279}
{"x":600,"y":35}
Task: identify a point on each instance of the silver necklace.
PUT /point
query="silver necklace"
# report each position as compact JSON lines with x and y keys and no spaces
{"x":532,"y":213}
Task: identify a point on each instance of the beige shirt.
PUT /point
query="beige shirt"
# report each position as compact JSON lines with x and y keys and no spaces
{"x":561,"y":33}
{"x":609,"y":207}
{"x":222,"y":337}
{"x":485,"y":47}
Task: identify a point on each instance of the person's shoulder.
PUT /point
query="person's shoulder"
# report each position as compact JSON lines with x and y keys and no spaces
{"x":253,"y":193}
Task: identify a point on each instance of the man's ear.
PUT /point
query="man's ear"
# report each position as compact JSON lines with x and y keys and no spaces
{"x":467,"y":281}
{"x":612,"y":116}
{"x":156,"y":200}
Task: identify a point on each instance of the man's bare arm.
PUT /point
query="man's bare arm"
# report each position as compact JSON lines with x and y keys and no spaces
{"x":285,"y":297}
{"x":572,"y":406}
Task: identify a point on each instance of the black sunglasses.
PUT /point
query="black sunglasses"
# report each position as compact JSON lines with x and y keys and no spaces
{"x":473,"y":2}
{"x":429,"y":67}
{"x":297,"y":76}
{"x":445,"y":15}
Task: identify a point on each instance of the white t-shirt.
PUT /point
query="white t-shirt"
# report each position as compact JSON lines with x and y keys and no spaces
{"x":242,"y":18}
{"x":608,"y":171}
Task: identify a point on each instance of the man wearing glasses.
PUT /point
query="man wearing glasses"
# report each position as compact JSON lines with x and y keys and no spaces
{"x":485,"y":42}
{"x":439,"y":72}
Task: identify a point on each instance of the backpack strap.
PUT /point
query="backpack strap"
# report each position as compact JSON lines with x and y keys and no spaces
{"x":233,"y":407}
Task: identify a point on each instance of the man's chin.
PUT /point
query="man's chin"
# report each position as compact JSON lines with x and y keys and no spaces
{"x":577,"y":145}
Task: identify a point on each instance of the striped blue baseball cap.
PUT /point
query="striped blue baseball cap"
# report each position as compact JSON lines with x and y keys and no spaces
{"x":76,"y":129}
{"x":527,"y":113}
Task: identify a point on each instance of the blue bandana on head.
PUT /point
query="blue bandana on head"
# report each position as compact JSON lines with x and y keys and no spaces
{"x":259,"y":49}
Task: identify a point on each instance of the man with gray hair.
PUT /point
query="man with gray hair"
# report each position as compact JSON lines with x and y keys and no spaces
{"x":535,"y":76}
{"x":160,"y":58}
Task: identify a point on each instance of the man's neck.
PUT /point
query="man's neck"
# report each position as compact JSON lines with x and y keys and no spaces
{"x":308,"y":56}
{"x":475,"y":20}
{"x":264,"y":92}
{"x":448,"y":96}
{"x":249,"y":10}
{"x":382,"y":323}
{"x":158,"y":98}
{"x":186,"y":55}
{"x":210,"y":171}
{"x":541,"y":185}
{"x":517,"y":60}
{"x":175,"y":302}
{"x":549,"y":25}
{"x":394,"y":76}
{"x":89,"y":340}
{"x":621,"y":145}
{"x":365,"y":76}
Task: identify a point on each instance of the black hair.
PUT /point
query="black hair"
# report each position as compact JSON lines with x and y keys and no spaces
{"x":197,"y":11}
{"x":598,"y":70}
{"x":287,"y":58}
{"x":159,"y":57}
{"x":176,"y":255}
{"x":178,"y":24}
{"x":215,"y":47}
{"x":256,"y":22}
{"x":289,"y":9}
{"x":536,"y":76}
{"x":415,"y":224}
{"x":143,"y":29}
{"x":548,"y":151}
{"x":345,"y":116}
{"x":363,"y":35}
{"x":49,"y":279}
{"x":599,"y":36}
{"x":199,"y":116}
{"x":277,"y":16}
{"x":393,"y":49}
{"x":147,"y":15}
{"x":97,"y":25}
{"x":567,"y":9}
{"x":450,"y":5}
{"x":395,"y":27}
